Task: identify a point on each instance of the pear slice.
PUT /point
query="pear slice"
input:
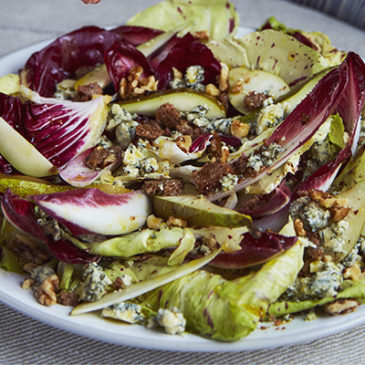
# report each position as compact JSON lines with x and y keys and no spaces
{"x":21,"y":154}
{"x":198,"y":211}
{"x":243,"y":81}
{"x":183,"y":100}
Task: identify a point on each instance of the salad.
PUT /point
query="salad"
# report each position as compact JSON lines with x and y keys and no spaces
{"x":172,"y":174}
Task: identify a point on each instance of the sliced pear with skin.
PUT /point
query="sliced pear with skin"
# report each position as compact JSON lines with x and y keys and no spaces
{"x":198,"y":211}
{"x":21,"y":154}
{"x":353,"y":223}
{"x":183,"y":100}
{"x":98,"y":75}
{"x":24,"y":186}
{"x":243,"y":81}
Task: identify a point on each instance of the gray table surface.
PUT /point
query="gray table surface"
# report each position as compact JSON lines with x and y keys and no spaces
{"x":23,"y":340}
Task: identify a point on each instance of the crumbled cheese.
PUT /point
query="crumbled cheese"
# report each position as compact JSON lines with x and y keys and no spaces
{"x":65,"y":90}
{"x":193,"y":78}
{"x":198,"y":116}
{"x":324,"y":283}
{"x":94,"y":284}
{"x":333,"y":236}
{"x":255,"y":162}
{"x":149,"y":165}
{"x":118,"y":115}
{"x":222,"y":125}
{"x":265,"y":157}
{"x":172,"y":320}
{"x":40,"y":273}
{"x":229,"y":181}
{"x":269,"y":116}
{"x":126,"y":312}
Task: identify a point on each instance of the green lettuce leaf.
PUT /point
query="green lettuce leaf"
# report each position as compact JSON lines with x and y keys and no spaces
{"x":355,"y":290}
{"x":218,"y":17}
{"x":228,"y":310}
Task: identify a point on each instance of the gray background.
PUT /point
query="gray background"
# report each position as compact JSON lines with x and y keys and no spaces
{"x":23,"y":340}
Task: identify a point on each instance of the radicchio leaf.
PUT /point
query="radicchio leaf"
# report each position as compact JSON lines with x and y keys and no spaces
{"x":353,"y":96}
{"x":58,"y":129}
{"x":135,"y":35}
{"x":121,"y":57}
{"x":254,"y":250}
{"x":278,"y":199}
{"x":301,"y":124}
{"x":85,"y":211}
{"x":84,"y":47}
{"x":182,"y":53}
{"x":76,"y":173}
{"x":20,"y":213}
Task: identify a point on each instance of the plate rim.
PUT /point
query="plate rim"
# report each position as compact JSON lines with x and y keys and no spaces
{"x":154,"y":340}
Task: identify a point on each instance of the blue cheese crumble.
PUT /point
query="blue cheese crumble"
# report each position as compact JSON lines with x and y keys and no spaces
{"x":228,"y":181}
{"x":126,"y":312}
{"x":171,"y":320}
{"x":313,"y":216}
{"x":193,"y":78}
{"x":94,"y":284}
{"x":265,"y":157}
{"x":324,"y":283}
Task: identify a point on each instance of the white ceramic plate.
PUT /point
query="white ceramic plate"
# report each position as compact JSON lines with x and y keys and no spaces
{"x":90,"y":325}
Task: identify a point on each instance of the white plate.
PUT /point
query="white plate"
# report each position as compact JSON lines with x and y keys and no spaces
{"x":90,"y":325}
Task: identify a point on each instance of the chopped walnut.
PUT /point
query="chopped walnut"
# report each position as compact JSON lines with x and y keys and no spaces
{"x":154,"y":222}
{"x":353,"y":272}
{"x":176,"y":222}
{"x":212,"y":90}
{"x":299,"y":228}
{"x":184,"y":142}
{"x":177,"y":74}
{"x":135,"y":85}
{"x":210,"y":242}
{"x":202,"y":35}
{"x":27,"y":283}
{"x":223,"y":78}
{"x":237,"y":88}
{"x":46,"y":292}
{"x":338,"y":212}
{"x":239,"y":129}
{"x":341,"y":306}
{"x":68,"y":298}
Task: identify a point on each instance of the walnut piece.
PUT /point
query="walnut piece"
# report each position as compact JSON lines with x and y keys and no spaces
{"x":67,"y":298}
{"x":239,"y":129}
{"x":135,"y":85}
{"x":176,"y":222}
{"x":154,"y":222}
{"x":341,"y":306}
{"x":299,"y":228}
{"x":27,"y":284}
{"x":353,"y":272}
{"x":46,"y":292}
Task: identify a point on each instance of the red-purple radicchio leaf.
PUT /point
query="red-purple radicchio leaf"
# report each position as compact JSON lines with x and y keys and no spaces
{"x":200,"y":143}
{"x":276,"y":200}
{"x":81,"y":48}
{"x":136,"y":35}
{"x":301,"y":124}
{"x":123,"y":56}
{"x":91,"y":211}
{"x":254,"y":250}
{"x":58,"y":129}
{"x":182,"y":53}
{"x":20,"y":213}
{"x":353,"y":96}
